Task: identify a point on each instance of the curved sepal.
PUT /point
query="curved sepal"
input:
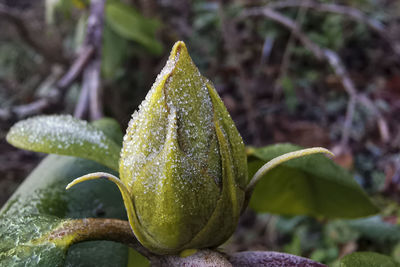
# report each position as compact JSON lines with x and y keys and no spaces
{"x":313,"y":185}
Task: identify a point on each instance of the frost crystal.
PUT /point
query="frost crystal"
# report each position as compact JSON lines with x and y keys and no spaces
{"x":179,"y":87}
{"x":182,"y":160}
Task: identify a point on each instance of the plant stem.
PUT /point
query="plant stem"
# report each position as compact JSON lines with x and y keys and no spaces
{"x":88,"y":229}
{"x":203,"y":258}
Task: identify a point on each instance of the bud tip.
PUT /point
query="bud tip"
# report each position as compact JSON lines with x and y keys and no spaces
{"x":177,"y":48}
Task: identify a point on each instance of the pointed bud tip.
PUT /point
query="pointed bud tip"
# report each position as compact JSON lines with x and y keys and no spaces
{"x":178,"y":47}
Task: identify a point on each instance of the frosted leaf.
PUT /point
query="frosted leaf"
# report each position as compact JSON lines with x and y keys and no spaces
{"x":21,"y":243}
{"x":65,"y":135}
{"x":43,"y":193}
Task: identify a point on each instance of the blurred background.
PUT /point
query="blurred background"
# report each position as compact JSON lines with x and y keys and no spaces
{"x":312,"y":73}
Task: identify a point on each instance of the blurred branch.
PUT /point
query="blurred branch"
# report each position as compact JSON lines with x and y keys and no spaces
{"x":86,"y":63}
{"x":22,"y":111}
{"x":83,"y":102}
{"x":232,"y":45}
{"x":25,"y":32}
{"x":91,"y":74}
{"x":288,"y":23}
{"x":92,"y":81}
{"x":351,"y":12}
{"x":267,"y":48}
{"x":55,"y":97}
{"x":77,"y":67}
{"x":347,"y":11}
{"x":288,"y":52}
{"x":381,"y":121}
{"x":348,"y":85}
{"x":322,"y":54}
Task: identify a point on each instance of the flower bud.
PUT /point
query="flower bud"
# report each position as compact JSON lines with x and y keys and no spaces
{"x":183,"y":162}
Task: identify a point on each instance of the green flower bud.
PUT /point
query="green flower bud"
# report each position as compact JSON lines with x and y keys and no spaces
{"x":183,"y":162}
{"x":183,"y":165}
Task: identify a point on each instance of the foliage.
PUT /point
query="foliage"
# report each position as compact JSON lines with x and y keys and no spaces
{"x":170,"y":110}
{"x":360,"y":259}
{"x":312,"y":96}
{"x":123,"y":23}
{"x":313,"y":185}
{"x":65,"y":135}
{"x":42,"y":204}
{"x":121,"y":17}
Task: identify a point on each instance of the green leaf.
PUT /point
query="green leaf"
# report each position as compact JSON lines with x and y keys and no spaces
{"x":111,"y":128}
{"x":367,"y":259}
{"x":24,"y":242}
{"x":42,"y":240}
{"x":65,"y":135}
{"x":43,"y":194}
{"x":137,"y":260}
{"x":131,"y":25}
{"x":374,"y":228}
{"x":43,"y":191}
{"x":312,"y":185}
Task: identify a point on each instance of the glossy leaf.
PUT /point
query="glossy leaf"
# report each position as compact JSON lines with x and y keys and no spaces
{"x":367,"y":259}
{"x":43,"y":194}
{"x":130,"y":24}
{"x":312,"y":185}
{"x":24,"y":242}
{"x":65,"y":135}
{"x":374,"y":228}
{"x":110,"y":128}
{"x":42,"y":240}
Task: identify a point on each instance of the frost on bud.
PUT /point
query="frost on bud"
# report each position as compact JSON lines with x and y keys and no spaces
{"x":183,"y":166}
{"x":183,"y":162}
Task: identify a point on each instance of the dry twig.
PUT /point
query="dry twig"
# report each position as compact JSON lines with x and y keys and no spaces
{"x":55,"y":97}
{"x":288,"y":52}
{"x":91,"y":75}
{"x":77,"y":67}
{"x":322,"y":54}
{"x":87,"y":63}
{"x":348,"y":85}
{"x":232,"y":45}
{"x":26,"y":33}
{"x":347,"y":11}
